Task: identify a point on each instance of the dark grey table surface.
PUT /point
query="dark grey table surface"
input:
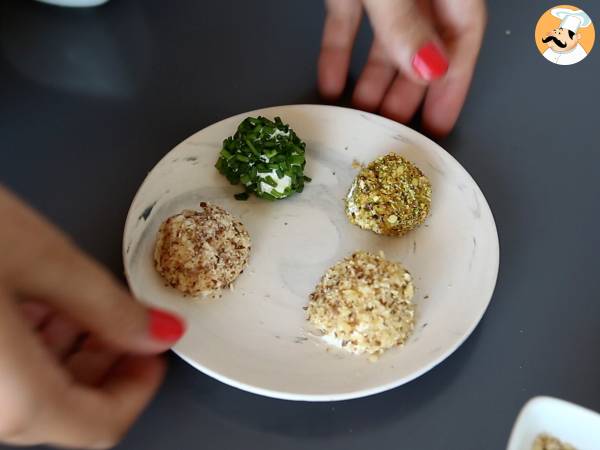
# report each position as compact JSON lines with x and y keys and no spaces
{"x":91,"y":100}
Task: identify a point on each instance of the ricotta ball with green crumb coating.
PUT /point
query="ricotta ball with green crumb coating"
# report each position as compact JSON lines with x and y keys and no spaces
{"x":390,"y":196}
{"x":266,"y":157}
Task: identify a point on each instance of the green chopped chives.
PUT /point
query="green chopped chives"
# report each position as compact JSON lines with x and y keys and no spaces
{"x":263,"y":146}
{"x":296,"y":159}
{"x":270,"y":181}
{"x":251,"y":147}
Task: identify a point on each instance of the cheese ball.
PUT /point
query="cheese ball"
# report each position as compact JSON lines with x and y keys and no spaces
{"x":363,"y":304}
{"x":201,"y":252}
{"x":390,"y":196}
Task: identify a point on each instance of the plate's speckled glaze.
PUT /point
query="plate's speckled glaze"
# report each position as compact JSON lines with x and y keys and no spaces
{"x":256,"y":337}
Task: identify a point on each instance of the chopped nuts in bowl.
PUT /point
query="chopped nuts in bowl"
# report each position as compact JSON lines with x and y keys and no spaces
{"x":547,"y":423}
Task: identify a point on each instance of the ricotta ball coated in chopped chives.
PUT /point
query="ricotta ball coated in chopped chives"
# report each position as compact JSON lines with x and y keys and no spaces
{"x":266,"y":157}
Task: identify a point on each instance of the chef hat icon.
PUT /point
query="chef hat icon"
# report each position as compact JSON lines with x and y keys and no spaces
{"x":572,"y":20}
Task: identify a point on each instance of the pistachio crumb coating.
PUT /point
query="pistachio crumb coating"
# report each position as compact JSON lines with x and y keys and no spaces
{"x":390,"y":196}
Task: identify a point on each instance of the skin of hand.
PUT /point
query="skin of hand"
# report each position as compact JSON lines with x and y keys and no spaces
{"x":424,"y":53}
{"x":78,"y":355}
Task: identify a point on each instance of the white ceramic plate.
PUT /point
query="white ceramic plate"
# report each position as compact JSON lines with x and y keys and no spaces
{"x":570,"y":423}
{"x":256,"y":337}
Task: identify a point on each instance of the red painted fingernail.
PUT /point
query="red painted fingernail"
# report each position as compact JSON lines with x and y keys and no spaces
{"x":165,"y":326}
{"x":429,"y":62}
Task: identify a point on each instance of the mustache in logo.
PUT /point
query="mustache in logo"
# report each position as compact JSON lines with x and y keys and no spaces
{"x":555,"y":40}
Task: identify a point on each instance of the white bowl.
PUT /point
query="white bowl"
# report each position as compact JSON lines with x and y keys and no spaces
{"x":565,"y":421}
{"x":75,"y":3}
{"x":256,"y":337}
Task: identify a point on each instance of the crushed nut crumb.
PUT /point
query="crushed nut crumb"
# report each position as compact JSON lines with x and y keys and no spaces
{"x":202,"y":252}
{"x":363,"y":303}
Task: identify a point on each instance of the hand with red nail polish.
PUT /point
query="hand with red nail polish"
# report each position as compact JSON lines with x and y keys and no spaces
{"x":78,"y":356}
{"x":164,"y":326}
{"x":424,"y":53}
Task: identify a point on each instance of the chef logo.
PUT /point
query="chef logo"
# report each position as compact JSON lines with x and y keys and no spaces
{"x":564,"y":35}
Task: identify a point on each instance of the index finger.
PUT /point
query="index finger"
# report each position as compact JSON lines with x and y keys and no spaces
{"x":41,"y":404}
{"x":446,"y":97}
{"x":341,"y":25}
{"x":99,"y":417}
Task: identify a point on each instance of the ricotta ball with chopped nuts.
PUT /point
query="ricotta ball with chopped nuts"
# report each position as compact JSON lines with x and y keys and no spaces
{"x":390,"y":196}
{"x":201,"y":252}
{"x":363,"y":304}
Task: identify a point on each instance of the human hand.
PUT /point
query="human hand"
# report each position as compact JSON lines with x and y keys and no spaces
{"x":424,"y":52}
{"x":78,"y":356}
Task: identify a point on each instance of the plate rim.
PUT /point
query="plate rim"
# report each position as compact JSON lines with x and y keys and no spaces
{"x":355,"y":394}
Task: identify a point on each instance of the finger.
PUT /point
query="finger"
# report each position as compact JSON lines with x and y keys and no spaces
{"x":36,"y":313}
{"x":104,"y":415}
{"x":375,"y":79}
{"x":52,"y":268}
{"x":132,"y":384}
{"x":130,"y":389}
{"x":80,"y":288}
{"x":30,"y":376}
{"x":99,"y":417}
{"x":402,"y":99}
{"x":60,"y":335}
{"x":409,"y":38}
{"x":90,"y":367}
{"x":341,"y":25}
{"x":446,"y":97}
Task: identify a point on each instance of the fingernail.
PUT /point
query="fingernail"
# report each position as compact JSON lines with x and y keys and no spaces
{"x":165,"y":327}
{"x":429,"y":62}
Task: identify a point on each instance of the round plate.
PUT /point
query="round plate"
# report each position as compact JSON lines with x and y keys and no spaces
{"x":256,"y":336}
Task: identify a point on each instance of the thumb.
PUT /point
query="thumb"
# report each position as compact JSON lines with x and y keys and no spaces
{"x":409,"y":38}
{"x":74,"y":284}
{"x":85,"y":292}
{"x":40,"y":263}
